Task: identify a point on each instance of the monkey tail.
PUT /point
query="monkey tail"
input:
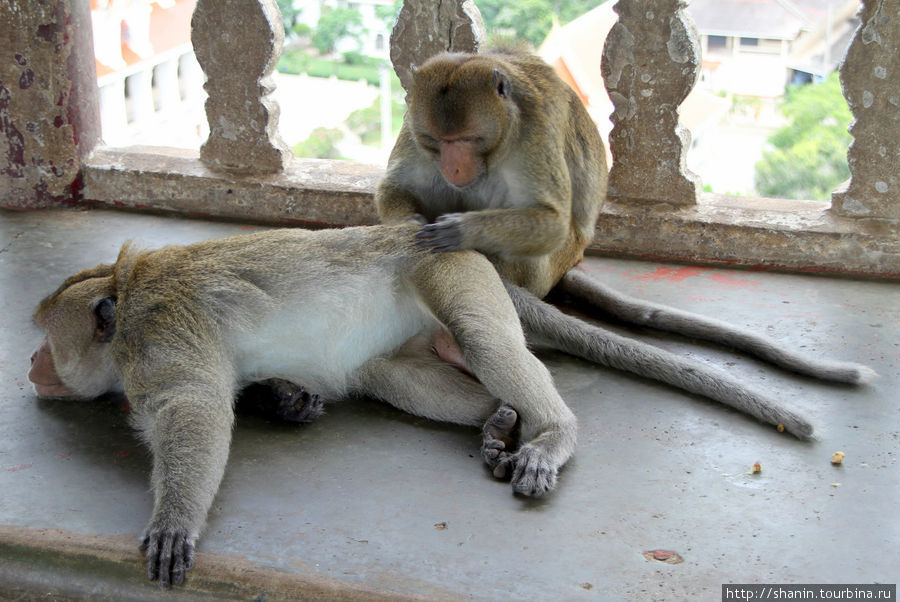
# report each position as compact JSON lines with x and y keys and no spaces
{"x":579,"y":338}
{"x":645,"y":313}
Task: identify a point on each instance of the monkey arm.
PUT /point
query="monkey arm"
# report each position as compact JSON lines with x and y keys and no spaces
{"x":529,"y":231}
{"x":189,"y":435}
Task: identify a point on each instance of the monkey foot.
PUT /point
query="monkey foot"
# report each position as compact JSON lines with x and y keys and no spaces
{"x":296,"y":404}
{"x":499,"y":439}
{"x":275,"y":398}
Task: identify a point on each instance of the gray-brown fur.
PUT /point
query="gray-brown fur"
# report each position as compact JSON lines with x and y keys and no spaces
{"x":532,"y":210}
{"x":193,"y":324}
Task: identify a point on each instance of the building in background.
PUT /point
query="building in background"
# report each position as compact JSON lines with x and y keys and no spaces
{"x":151,"y":86}
{"x":756,"y":47}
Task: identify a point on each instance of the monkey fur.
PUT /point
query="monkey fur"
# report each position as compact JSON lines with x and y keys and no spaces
{"x":498,"y":154}
{"x":181,"y":329}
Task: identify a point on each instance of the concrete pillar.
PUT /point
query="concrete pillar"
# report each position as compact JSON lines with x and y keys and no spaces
{"x":139,"y":88}
{"x":165,"y":80}
{"x":113,"y":113}
{"x":869,"y":76}
{"x":651,"y":61}
{"x":425,"y":28}
{"x":238,"y":43}
{"x":49,"y":108}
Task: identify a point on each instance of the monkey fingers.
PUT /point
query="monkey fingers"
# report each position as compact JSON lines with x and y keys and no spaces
{"x":445,"y":234}
{"x":170,"y":553}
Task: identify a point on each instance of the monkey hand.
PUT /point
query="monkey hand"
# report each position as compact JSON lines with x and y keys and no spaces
{"x":170,"y":553}
{"x":445,"y":234}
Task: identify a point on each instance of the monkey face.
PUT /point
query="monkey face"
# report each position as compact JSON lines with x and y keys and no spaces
{"x":74,"y":361}
{"x":459,"y":107}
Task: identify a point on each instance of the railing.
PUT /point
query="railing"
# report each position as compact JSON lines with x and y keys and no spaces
{"x":650,"y":61}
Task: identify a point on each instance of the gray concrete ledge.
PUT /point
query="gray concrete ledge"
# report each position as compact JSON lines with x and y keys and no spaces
{"x":771,"y":234}
{"x":64,"y":565}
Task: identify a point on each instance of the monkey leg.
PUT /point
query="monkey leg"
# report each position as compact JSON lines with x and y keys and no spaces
{"x":417,"y":381}
{"x":579,"y":338}
{"x":465,"y":294}
{"x":645,"y":313}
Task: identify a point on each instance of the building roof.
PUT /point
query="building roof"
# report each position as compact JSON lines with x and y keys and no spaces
{"x":771,"y":19}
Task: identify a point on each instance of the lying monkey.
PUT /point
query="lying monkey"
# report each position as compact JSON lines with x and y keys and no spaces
{"x":181,"y":329}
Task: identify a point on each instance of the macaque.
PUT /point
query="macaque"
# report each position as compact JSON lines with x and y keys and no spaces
{"x":497,"y":154}
{"x":179,"y":330}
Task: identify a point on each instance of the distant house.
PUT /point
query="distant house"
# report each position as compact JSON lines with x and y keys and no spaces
{"x":375,"y":40}
{"x":147,"y":73}
{"x":755,"y":47}
{"x":574,"y":52}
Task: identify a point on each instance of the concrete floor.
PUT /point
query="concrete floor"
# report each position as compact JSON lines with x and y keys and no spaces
{"x":369,"y":502}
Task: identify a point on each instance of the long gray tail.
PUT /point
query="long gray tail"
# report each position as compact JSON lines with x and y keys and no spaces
{"x":577,"y":337}
{"x":645,"y":313}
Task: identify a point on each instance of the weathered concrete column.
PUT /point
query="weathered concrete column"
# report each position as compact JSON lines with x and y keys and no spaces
{"x":427,"y":27}
{"x":651,"y":61}
{"x":49,"y":108}
{"x":869,"y":77}
{"x":238,"y":43}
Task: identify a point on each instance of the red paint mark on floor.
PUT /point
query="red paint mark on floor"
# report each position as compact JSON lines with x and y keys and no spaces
{"x":19,"y":467}
{"x":672,"y":274}
{"x":64,"y":455}
{"x":122,"y":455}
{"x":731,"y":282}
{"x":680,"y":274}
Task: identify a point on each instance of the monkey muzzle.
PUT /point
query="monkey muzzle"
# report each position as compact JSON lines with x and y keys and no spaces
{"x":43,"y":376}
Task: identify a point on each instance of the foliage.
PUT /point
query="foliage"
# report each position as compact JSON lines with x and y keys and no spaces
{"x":321,"y":144}
{"x":389,"y":13}
{"x":808,"y":157}
{"x":531,"y":20}
{"x":336,"y":24}
{"x":366,"y":123}
{"x":289,"y":14}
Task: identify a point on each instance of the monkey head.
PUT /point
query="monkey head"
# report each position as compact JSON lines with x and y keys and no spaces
{"x":74,"y":361}
{"x":461,"y":110}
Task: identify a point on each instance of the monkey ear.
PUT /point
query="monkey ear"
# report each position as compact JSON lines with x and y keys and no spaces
{"x":105,"y":319}
{"x":501,"y":83}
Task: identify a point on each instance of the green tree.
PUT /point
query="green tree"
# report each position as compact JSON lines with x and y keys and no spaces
{"x":321,"y":144}
{"x":531,"y":20}
{"x":808,"y":157}
{"x":289,"y":14}
{"x":334,"y":25}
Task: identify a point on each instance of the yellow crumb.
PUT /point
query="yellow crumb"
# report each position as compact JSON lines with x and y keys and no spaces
{"x":780,"y":428}
{"x":837,"y":457}
{"x":756,"y":468}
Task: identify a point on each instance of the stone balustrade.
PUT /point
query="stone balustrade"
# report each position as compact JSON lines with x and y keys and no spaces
{"x":50,"y":130}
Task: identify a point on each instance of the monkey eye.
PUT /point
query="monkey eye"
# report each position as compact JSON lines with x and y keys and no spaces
{"x":429,"y":143}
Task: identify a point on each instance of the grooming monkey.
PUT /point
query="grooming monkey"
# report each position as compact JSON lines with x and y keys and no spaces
{"x":181,"y":329}
{"x":498,"y":154}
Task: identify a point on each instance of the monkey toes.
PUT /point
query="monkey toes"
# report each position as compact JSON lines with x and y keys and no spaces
{"x":296,"y":404}
{"x":499,"y":439}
